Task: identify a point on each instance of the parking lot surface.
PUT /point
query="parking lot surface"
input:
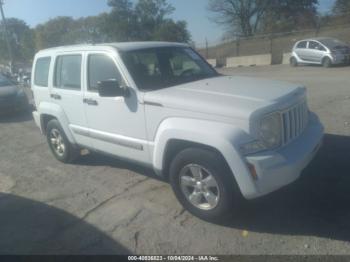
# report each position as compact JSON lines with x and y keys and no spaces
{"x":100,"y":205}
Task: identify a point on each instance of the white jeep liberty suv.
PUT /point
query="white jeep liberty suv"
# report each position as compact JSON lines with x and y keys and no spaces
{"x":217,"y":139}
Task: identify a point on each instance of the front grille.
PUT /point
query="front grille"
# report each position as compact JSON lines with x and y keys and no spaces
{"x":294,"y":120}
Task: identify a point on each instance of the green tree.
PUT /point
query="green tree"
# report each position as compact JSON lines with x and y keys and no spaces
{"x":21,"y":40}
{"x":151,"y":15}
{"x":172,"y":31}
{"x":121,"y":24}
{"x":144,"y":21}
{"x":66,"y":31}
{"x":341,"y":7}
{"x":55,"y":32}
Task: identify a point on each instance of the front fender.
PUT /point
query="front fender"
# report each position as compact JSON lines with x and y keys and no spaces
{"x":223,"y":137}
{"x":56,"y":111}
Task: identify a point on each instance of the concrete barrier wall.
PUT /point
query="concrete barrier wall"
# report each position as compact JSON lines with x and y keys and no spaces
{"x":286,"y":58}
{"x":249,"y":60}
{"x":212,"y":62}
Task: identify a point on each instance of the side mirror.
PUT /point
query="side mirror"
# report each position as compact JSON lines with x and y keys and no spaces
{"x":111,"y":88}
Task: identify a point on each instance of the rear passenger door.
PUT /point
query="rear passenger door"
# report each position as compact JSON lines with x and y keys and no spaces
{"x":66,"y":92}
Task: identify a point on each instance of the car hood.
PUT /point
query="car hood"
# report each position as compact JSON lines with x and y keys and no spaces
{"x":229,"y":96}
{"x":6,"y":91}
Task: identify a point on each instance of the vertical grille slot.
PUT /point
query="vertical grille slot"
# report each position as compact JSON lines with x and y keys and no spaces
{"x":294,"y":120}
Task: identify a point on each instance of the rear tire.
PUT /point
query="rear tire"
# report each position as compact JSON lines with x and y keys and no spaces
{"x":326,"y":62}
{"x":203,"y":184}
{"x":59,"y":144}
{"x":293,"y":62}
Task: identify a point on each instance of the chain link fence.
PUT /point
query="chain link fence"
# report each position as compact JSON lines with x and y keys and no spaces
{"x":274,"y":44}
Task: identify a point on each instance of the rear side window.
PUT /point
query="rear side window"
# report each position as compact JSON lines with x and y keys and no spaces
{"x":102,"y":68}
{"x":41,"y":75}
{"x":68,"y":72}
{"x":302,"y":44}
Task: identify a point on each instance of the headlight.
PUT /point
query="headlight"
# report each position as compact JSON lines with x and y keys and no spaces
{"x":270,"y":130}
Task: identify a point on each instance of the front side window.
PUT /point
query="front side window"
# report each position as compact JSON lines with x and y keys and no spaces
{"x":68,"y":72}
{"x":102,"y":68}
{"x":315,"y":46}
{"x":41,"y":74}
{"x":156,"y":68}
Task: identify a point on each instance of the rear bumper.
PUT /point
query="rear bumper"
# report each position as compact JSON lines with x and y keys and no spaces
{"x":276,"y":169}
{"x":14,"y":106}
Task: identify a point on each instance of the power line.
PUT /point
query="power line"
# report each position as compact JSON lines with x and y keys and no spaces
{"x":6,"y":34}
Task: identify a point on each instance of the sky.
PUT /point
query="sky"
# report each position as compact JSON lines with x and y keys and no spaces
{"x":34,"y":12}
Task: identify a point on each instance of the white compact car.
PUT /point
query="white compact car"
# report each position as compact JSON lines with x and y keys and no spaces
{"x":320,"y":51}
{"x":217,"y":139}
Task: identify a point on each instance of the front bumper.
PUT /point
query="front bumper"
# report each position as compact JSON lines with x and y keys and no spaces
{"x":341,"y":59}
{"x":276,"y":169}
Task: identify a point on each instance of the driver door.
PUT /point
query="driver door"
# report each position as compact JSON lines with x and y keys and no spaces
{"x":116,"y":124}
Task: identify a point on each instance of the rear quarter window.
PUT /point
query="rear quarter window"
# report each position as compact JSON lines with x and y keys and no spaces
{"x":302,"y":44}
{"x":41,"y":74}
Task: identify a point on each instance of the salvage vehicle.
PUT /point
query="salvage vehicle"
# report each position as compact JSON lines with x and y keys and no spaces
{"x":12,"y":98}
{"x":320,"y":51}
{"x":217,"y":139}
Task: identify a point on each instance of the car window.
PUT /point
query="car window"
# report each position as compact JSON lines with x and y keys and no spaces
{"x":41,"y":74}
{"x":68,"y":72}
{"x":156,"y":68}
{"x":316,"y":46}
{"x":302,"y":44}
{"x":181,"y":63}
{"x":102,"y":68}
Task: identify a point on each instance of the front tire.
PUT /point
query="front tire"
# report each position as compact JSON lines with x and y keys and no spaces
{"x":327,"y":62}
{"x":293,"y":62}
{"x":60,"y":146}
{"x":203,"y":184}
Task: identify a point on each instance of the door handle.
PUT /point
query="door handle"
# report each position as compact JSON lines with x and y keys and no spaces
{"x":56,"y":96}
{"x":90,"y":102}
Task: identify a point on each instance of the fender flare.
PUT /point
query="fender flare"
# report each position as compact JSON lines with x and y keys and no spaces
{"x":56,"y":111}
{"x":225,"y":138}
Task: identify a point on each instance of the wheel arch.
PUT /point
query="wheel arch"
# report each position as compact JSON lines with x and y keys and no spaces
{"x":176,"y":145}
{"x":48,"y":112}
{"x":326,"y":57}
{"x":177,"y":134}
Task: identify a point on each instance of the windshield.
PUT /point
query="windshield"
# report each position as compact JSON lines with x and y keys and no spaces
{"x":333,"y":43}
{"x":4,"y":81}
{"x":157,"y":68}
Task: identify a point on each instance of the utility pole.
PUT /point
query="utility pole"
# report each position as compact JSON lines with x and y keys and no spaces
{"x":6,"y":35}
{"x":206,"y":48}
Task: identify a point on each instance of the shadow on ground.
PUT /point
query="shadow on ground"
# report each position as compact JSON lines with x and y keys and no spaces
{"x":95,"y":159}
{"x":17,"y":117}
{"x":29,"y":227}
{"x":318,"y":204}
